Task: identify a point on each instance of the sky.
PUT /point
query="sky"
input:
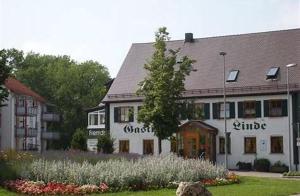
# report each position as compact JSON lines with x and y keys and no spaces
{"x":103,"y":30}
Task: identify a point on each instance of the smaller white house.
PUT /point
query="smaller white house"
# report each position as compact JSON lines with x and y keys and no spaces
{"x":96,"y":126}
{"x":24,"y":118}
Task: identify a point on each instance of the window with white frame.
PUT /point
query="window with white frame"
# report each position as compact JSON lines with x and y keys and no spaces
{"x":222,"y":110}
{"x":96,"y":118}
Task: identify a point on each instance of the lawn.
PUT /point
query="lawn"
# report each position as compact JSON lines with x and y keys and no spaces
{"x":248,"y":186}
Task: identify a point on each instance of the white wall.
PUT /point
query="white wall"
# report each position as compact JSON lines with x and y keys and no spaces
{"x":135,"y":139}
{"x":275,"y":126}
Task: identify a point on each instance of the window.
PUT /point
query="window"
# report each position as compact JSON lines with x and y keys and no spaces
{"x":222,"y":110}
{"x":272,"y":73}
{"x":20,"y":122}
{"x":102,"y":118}
{"x":123,"y":146}
{"x":21,"y":101}
{"x":275,"y":108}
{"x":222,"y":145}
{"x":148,"y":147}
{"x":218,"y":110}
{"x":249,"y":109}
{"x":232,"y":76}
{"x":250,"y":145}
{"x":93,"y":118}
{"x":276,"y":144}
{"x":123,"y":114}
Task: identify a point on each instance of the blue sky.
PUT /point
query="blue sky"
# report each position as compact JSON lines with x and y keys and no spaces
{"x":104,"y":30}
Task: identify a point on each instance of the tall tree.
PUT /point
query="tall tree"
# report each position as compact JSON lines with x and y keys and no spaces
{"x":162,"y":88}
{"x":5,"y":70}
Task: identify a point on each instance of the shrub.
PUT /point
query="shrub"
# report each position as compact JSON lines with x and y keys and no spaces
{"x":279,"y":167}
{"x":143,"y":173}
{"x":292,"y":173}
{"x":105,"y":144}
{"x":262,"y":165}
{"x":79,"y":140}
{"x":244,"y":166}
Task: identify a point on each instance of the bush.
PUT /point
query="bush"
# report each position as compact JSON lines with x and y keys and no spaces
{"x":244,"y":166}
{"x":262,"y":165}
{"x":105,"y":144}
{"x":79,"y":140}
{"x":143,"y":173}
{"x":292,"y":173}
{"x":279,"y":167}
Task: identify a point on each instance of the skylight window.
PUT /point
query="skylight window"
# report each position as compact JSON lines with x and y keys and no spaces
{"x":273,"y":73}
{"x":232,"y":76}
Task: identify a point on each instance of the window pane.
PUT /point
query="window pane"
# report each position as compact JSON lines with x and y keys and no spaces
{"x":275,"y":108}
{"x":250,"y":145}
{"x":272,"y":73}
{"x":249,"y":109}
{"x":124,"y":146}
{"x":277,"y":144}
{"x":148,"y":147}
{"x":232,"y":76}
{"x":222,"y":110}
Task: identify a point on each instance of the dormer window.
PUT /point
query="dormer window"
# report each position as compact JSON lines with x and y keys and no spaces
{"x":233,"y":76}
{"x":273,"y":73}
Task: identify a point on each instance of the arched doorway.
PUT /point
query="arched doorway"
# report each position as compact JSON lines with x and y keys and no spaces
{"x":196,"y":139}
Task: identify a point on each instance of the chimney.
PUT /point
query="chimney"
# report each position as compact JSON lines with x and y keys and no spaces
{"x":189,"y":37}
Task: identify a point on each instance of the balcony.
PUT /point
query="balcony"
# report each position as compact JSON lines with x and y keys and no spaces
{"x":50,"y":117}
{"x":31,"y":132}
{"x":50,"y":135}
{"x":23,"y":111}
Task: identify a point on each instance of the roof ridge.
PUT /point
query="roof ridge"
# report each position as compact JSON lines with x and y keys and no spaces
{"x":222,"y":36}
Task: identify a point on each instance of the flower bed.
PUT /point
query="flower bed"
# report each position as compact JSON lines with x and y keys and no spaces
{"x":51,"y":188}
{"x":230,"y":179}
{"x":143,"y":173}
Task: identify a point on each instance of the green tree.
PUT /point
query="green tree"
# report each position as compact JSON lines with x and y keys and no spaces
{"x":5,"y":70}
{"x":105,"y":144}
{"x":163,"y":87}
{"x":79,"y":140}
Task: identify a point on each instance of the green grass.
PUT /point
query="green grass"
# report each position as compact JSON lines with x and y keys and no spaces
{"x":252,"y":186}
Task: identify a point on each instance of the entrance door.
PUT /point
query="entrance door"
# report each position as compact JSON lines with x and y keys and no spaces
{"x":191,"y":148}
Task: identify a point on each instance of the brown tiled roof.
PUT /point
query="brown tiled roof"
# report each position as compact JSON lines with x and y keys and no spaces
{"x":253,"y":54}
{"x":17,"y":87}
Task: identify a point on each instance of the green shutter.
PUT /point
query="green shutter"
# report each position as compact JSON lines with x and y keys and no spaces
{"x":284,"y":108}
{"x":266,"y":108}
{"x":206,"y":111}
{"x":232,"y":109}
{"x":131,"y":114}
{"x":216,"y":110}
{"x":258,"y":109}
{"x":241,"y":109}
{"x":116,"y":114}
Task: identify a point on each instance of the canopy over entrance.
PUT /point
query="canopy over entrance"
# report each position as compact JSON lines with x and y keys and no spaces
{"x":197,"y":139}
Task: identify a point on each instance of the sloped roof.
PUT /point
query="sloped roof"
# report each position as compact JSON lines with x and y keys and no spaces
{"x":253,"y":54}
{"x":17,"y":87}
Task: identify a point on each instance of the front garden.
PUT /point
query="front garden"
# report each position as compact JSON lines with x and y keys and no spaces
{"x":32,"y":174}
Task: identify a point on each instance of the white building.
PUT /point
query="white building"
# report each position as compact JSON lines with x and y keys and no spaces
{"x":24,"y":119}
{"x":256,"y":106}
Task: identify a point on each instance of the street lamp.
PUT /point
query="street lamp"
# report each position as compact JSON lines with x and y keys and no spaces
{"x":288,"y":111}
{"x":225,"y":117}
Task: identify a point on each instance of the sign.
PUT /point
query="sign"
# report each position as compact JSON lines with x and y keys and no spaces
{"x":92,"y":144}
{"x":244,"y":126}
{"x":131,"y":129}
{"x":96,"y":132}
{"x":263,"y":145}
{"x":298,"y":141}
